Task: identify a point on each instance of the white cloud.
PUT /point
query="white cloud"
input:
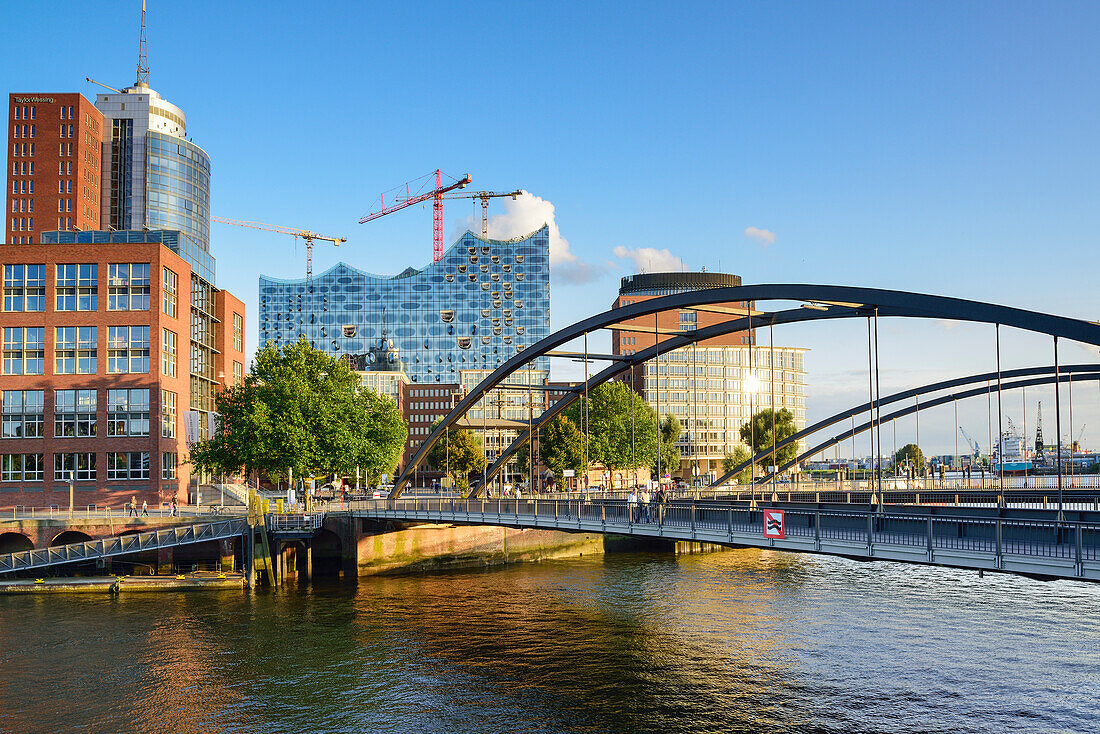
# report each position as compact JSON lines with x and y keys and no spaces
{"x":650,"y":259}
{"x":526,"y":214}
{"x":763,"y":236}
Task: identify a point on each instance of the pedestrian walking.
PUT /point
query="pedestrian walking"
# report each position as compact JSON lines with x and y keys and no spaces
{"x":131,"y":509}
{"x":631,"y":503}
{"x":145,"y":508}
{"x":172,"y":508}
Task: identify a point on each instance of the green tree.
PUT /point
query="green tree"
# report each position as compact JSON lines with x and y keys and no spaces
{"x":735,"y":459}
{"x":459,"y":453}
{"x":609,"y":423}
{"x":302,"y":409}
{"x":670,"y":433}
{"x":562,"y":446}
{"x":758,"y":432}
{"x":908,"y":454}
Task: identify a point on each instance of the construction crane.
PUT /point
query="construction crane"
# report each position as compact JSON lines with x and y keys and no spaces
{"x":972,"y":443}
{"x":305,"y":234}
{"x":484,"y":196}
{"x":410,"y":198}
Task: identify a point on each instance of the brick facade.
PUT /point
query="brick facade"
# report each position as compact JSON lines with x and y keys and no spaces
{"x":55,"y":144}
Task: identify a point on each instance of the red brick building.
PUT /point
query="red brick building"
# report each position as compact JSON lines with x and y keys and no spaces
{"x":54,"y":165}
{"x":108,"y":348}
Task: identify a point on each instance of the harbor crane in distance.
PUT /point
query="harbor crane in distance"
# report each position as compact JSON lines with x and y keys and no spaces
{"x":974,"y":447}
{"x":415,"y":197}
{"x":305,"y":234}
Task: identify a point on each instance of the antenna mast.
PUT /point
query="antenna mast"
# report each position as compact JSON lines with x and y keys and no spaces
{"x":143,"y":57}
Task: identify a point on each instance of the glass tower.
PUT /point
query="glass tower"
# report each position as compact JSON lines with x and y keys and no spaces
{"x":478,"y":306}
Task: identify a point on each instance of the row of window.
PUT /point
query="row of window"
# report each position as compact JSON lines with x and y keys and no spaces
{"x":75,"y":350}
{"x":27,"y":131}
{"x":24,"y":168}
{"x":28,"y":113}
{"x":22,"y":186}
{"x":77,"y":287}
{"x":75,"y":413}
{"x":19,"y":150}
{"x":81,"y":467}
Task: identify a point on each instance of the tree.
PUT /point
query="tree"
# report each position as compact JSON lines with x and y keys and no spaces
{"x":609,"y":424}
{"x":670,"y":433}
{"x":562,"y":446}
{"x":910,"y":454}
{"x":735,"y":459}
{"x":757,"y":434}
{"x":299,"y":408}
{"x":459,"y":453}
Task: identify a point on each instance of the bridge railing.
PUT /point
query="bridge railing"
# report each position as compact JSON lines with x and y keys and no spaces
{"x":703,"y":520}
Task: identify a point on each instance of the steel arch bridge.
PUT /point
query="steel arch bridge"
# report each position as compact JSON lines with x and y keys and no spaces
{"x":817,"y":303}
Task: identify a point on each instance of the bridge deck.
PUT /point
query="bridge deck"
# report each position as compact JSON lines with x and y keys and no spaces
{"x":1045,"y":547}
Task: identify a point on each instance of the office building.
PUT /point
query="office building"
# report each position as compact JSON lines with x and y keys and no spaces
{"x":710,"y":387}
{"x":54,"y":165}
{"x":112,"y":348}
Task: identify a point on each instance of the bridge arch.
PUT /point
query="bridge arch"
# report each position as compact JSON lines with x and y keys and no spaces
{"x":825,"y":301}
{"x":1068,"y":373}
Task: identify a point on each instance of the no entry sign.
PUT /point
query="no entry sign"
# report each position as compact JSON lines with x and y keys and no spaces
{"x":773,"y":524}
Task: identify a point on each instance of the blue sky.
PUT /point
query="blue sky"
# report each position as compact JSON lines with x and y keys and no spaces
{"x":941,"y":147}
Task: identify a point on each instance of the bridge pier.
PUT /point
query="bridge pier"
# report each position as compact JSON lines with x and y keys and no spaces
{"x":228,"y":558}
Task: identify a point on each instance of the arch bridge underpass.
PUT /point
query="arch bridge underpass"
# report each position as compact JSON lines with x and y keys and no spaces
{"x":1038,"y":538}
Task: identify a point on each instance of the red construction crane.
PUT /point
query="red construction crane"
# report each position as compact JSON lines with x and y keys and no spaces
{"x":410,"y":198}
{"x":305,"y":234}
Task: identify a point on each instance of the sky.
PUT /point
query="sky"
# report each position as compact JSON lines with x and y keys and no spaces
{"x":940,"y":147}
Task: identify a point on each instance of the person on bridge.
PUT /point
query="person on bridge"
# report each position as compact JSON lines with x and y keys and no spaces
{"x":631,"y":503}
{"x":131,"y":509}
{"x":145,"y":508}
{"x":645,"y":500}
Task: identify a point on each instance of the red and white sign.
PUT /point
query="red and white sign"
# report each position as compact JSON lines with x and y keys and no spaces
{"x":773,"y":524}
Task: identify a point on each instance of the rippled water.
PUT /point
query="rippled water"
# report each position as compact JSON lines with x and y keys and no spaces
{"x":740,"y":641}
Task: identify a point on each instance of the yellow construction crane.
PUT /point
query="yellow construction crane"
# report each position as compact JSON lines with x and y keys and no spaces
{"x":305,"y":234}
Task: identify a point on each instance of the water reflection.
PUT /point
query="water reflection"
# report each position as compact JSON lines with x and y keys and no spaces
{"x":742,"y":641}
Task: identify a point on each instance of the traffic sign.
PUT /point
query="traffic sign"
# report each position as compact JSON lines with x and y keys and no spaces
{"x":773,"y":524}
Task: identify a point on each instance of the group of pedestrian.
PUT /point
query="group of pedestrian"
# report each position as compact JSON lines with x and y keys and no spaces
{"x":645,"y":506}
{"x":132,"y":508}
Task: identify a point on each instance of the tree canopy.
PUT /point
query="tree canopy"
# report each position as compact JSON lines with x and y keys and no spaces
{"x":670,"y":433}
{"x":758,"y":432}
{"x":734,"y":459}
{"x":910,"y":453}
{"x":302,"y":409}
{"x":561,"y":446}
{"x":610,"y":405}
{"x":459,"y":453}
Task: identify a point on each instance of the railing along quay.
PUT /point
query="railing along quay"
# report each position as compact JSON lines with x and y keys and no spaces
{"x":1046,"y":547}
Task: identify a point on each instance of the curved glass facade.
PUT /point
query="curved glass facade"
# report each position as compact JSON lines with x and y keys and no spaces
{"x":483,"y":302}
{"x":177,"y":192}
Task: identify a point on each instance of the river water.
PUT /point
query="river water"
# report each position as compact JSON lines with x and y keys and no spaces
{"x":746,"y":640}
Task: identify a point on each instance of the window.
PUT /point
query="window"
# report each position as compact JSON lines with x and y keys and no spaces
{"x":21,"y":468}
{"x":167,"y":414}
{"x":74,"y":414}
{"x":238,"y":373}
{"x":22,"y":414}
{"x":75,"y":350}
{"x":128,"y":465}
{"x":128,"y":287}
{"x":80,"y":467}
{"x":77,"y":287}
{"x":238,"y":332}
{"x":24,"y":287}
{"x":24,"y":350}
{"x":168,"y":353}
{"x":170,"y":293}
{"x":167,"y":465}
{"x":128,"y":349}
{"x":128,"y":412}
